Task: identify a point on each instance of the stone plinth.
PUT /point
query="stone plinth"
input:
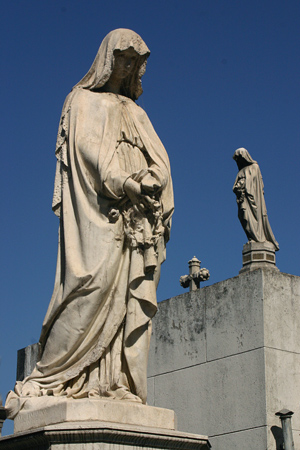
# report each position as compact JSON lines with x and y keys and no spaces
{"x":227,"y":358}
{"x":258,"y":255}
{"x":42,"y":411}
{"x":104,"y":436}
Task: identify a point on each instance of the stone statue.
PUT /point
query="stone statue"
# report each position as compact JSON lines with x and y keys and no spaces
{"x":249,"y":190}
{"x":113,"y":195}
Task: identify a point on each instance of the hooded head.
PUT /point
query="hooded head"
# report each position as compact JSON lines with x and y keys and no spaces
{"x":243,"y":158}
{"x":96,"y":78}
{"x":102,"y":67}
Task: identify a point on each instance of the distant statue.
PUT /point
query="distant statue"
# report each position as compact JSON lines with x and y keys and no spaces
{"x":249,"y":190}
{"x":113,"y":195}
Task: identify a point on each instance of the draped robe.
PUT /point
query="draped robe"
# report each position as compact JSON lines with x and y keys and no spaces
{"x":95,"y":336}
{"x":252,"y":211}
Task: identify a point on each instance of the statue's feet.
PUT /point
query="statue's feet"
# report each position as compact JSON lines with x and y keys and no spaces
{"x":130,"y":397}
{"x":121,"y":393}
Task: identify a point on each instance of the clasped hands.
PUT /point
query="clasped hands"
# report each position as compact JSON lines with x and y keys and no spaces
{"x":140,"y":192}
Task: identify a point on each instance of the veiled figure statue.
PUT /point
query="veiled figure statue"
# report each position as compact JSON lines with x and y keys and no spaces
{"x":113,"y":195}
{"x":249,"y":190}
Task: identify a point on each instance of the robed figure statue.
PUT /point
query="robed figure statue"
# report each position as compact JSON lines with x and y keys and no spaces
{"x":113,"y":195}
{"x":249,"y":190}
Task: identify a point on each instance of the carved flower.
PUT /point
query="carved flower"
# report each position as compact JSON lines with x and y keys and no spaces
{"x":113,"y":215}
{"x":204,"y":274}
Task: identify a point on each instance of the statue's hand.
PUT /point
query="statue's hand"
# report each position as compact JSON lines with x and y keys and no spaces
{"x":133,"y":190}
{"x":149,"y":184}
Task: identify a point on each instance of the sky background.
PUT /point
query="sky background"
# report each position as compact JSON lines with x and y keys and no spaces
{"x":221,"y":75}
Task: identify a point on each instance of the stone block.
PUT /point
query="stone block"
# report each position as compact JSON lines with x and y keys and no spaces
{"x":265,"y":437}
{"x":252,"y":439}
{"x":282,"y":311}
{"x":26,"y":361}
{"x":250,"y":360}
{"x":234,"y":316}
{"x":42,"y":411}
{"x":178,"y":338}
{"x":150,"y":392}
{"x":282,"y":385}
{"x":222,"y":396}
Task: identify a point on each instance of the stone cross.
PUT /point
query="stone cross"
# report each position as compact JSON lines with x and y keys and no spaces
{"x":195,"y":276}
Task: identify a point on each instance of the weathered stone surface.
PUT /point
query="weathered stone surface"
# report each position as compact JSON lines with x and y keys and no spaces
{"x":234,"y":310}
{"x":282,"y":311}
{"x":242,"y":366}
{"x":283,"y":384}
{"x":242,"y":440}
{"x":179,"y":338}
{"x":39,"y":412}
{"x":27,"y":359}
{"x":105,"y":436}
{"x":220,"y":397}
{"x":151,"y":393}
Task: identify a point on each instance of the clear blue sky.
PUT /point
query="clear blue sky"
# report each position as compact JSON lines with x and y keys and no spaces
{"x":222,"y":74}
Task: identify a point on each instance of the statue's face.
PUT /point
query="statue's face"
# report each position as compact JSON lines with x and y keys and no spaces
{"x":124,"y":63}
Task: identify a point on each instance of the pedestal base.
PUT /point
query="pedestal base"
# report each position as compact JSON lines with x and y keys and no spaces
{"x":43,"y":411}
{"x":104,"y":436}
{"x":258,"y":255}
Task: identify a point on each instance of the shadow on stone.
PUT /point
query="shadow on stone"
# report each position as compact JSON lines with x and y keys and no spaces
{"x":278,"y":436}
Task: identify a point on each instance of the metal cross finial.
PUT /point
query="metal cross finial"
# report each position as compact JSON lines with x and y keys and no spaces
{"x":195,"y":276}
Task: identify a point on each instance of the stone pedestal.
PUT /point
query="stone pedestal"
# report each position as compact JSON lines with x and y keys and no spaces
{"x":226,"y":358}
{"x":88,"y":424}
{"x":258,"y":255}
{"x":104,"y":436}
{"x":42,"y":411}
